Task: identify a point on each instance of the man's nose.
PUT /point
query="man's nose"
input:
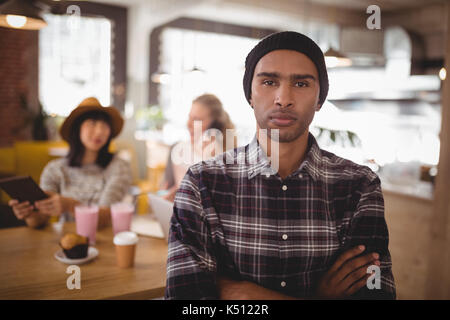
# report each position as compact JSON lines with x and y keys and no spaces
{"x":283,"y":98}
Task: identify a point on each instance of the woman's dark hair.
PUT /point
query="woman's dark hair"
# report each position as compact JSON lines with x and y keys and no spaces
{"x":77,"y":148}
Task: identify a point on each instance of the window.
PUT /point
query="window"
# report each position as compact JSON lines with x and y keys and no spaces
{"x":389,"y":131}
{"x":74,"y":62}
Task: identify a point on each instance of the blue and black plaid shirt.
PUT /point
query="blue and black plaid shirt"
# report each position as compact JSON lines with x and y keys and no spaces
{"x":235,"y":220}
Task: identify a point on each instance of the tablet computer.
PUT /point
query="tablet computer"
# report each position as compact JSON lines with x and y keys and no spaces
{"x":23,"y":189}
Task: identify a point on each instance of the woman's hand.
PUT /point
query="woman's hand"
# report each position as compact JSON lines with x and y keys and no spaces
{"x":170,"y":196}
{"x":52,"y":206}
{"x":21,"y":210}
{"x":25,"y":211}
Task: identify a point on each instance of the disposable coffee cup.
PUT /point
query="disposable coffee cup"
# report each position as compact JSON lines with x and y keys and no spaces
{"x":125,"y":243}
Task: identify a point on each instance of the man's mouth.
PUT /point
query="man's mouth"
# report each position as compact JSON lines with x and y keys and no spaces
{"x":282,"y":120}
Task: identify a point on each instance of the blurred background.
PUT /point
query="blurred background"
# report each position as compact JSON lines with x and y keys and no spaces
{"x":151,"y":58}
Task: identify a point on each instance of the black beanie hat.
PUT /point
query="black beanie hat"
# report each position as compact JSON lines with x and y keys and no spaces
{"x":288,"y":40}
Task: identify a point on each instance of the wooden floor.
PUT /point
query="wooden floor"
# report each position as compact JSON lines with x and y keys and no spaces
{"x":408,"y":221}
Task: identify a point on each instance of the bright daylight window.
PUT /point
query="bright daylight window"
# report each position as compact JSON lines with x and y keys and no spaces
{"x":74,"y":62}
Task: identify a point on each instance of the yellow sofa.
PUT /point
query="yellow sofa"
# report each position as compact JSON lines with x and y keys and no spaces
{"x":27,"y":158}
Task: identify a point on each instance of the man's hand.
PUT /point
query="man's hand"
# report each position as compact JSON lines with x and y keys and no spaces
{"x":347,"y":275}
{"x":233,"y":290}
{"x":246,"y":290}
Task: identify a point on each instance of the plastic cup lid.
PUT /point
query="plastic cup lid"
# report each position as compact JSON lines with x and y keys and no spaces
{"x":125,"y":238}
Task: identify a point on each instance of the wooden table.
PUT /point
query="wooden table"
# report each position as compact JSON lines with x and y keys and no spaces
{"x":29,"y":270}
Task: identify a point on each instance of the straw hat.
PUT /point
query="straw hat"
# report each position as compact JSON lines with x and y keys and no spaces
{"x":87,"y":105}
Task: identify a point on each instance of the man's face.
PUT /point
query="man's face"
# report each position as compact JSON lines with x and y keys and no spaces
{"x":285,"y":93}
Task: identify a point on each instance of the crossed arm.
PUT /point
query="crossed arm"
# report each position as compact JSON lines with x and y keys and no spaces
{"x":347,"y":275}
{"x":192,"y":268}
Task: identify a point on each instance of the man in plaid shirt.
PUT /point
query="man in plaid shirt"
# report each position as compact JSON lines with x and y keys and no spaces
{"x":307,"y":225}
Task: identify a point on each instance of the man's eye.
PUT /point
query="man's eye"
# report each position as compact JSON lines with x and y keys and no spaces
{"x":301,"y":84}
{"x":268,"y":82}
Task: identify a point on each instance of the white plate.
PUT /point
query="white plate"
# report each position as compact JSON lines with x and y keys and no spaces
{"x":92,"y":254}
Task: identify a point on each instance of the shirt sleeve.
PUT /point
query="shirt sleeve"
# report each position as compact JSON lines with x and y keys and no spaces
{"x":191,"y":262}
{"x":368,"y":227}
{"x":118,"y":182}
{"x":50,"y":180}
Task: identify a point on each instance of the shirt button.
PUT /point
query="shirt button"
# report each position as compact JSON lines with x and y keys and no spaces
{"x":284,"y":187}
{"x":267,"y":175}
{"x":300,"y":176}
{"x":285,"y":236}
{"x":283,"y":284}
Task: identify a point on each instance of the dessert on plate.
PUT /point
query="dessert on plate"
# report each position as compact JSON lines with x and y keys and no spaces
{"x":74,"y":246}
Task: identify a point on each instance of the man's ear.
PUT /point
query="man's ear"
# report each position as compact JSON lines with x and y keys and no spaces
{"x":318,"y":107}
{"x":251,"y":103}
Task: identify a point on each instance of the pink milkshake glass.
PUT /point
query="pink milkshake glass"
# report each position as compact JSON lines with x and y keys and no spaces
{"x":86,"y":219}
{"x":121,"y":216}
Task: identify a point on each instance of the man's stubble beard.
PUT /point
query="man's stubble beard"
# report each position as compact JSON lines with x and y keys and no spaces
{"x":286,"y":134}
{"x":285,"y":137}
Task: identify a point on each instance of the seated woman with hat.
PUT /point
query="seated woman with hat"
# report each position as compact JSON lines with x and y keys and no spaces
{"x":89,"y":173}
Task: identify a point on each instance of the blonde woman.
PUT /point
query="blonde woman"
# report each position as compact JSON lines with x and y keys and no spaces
{"x":208,"y":111}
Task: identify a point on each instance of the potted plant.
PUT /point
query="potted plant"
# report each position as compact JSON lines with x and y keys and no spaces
{"x":37,"y":120}
{"x":151,"y":118}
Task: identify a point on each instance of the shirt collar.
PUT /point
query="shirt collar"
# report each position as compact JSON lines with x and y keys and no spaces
{"x":259,"y":163}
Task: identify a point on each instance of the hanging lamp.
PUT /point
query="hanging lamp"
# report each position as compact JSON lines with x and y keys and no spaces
{"x":21,"y":14}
